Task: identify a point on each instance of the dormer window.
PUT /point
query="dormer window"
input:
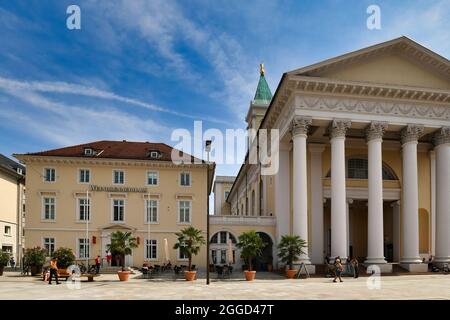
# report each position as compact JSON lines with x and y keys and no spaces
{"x":88,"y":151}
{"x":154,"y":154}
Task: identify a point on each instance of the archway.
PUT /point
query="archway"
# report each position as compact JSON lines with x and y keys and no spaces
{"x":262,"y":263}
{"x":219,"y":246}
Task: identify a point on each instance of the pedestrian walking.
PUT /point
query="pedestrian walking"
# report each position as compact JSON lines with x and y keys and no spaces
{"x":12,"y":263}
{"x":98,"y":262}
{"x":338,"y":269}
{"x":53,"y":270}
{"x":355,"y":265}
{"x":108,"y":258}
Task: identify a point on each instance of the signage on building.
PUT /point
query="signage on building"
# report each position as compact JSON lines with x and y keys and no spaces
{"x":117,"y":189}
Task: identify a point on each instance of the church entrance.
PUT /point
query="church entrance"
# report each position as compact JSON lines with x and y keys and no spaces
{"x":357,"y":230}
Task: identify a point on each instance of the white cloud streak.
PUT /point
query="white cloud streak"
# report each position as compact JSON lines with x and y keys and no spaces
{"x":75,"y":89}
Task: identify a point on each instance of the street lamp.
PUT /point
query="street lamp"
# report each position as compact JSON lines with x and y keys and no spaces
{"x":208,"y":150}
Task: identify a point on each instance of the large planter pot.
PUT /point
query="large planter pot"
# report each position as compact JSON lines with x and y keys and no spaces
{"x":1,"y":270}
{"x":290,"y":273}
{"x":35,"y":270}
{"x":249,"y":275}
{"x":123,"y":275}
{"x":190,"y":275}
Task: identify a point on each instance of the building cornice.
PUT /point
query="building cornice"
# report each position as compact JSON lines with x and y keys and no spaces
{"x":27,"y":159}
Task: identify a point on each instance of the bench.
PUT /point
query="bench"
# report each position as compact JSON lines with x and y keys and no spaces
{"x":90,"y":276}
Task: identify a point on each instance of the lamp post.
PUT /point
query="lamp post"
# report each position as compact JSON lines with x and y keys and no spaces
{"x":208,"y":150}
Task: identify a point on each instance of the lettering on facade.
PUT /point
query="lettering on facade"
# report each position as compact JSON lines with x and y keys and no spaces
{"x":117,"y":189}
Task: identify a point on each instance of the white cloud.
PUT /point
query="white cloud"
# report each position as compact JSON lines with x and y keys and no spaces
{"x":65,"y":124}
{"x":76,"y":89}
{"x":163,"y":25}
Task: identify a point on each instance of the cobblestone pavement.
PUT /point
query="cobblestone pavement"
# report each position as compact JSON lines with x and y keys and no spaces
{"x":266,"y":286}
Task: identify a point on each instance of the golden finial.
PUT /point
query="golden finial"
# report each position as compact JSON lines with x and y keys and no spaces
{"x":261,"y":69}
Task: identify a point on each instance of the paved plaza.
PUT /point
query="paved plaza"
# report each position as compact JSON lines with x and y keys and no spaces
{"x":268,"y":286}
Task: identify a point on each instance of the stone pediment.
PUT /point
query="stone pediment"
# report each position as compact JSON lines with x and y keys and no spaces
{"x":400,"y":61}
{"x":116,"y":227}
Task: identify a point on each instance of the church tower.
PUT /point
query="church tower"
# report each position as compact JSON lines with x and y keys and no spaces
{"x":260,"y":103}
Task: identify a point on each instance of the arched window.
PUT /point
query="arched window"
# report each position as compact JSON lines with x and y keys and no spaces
{"x":358,"y":168}
{"x":222,"y":237}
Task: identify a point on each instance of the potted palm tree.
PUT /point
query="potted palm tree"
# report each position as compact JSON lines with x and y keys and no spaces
{"x":65,"y":258}
{"x":251,"y":246}
{"x":189,"y":242}
{"x":289,"y":249}
{"x":122,"y":244}
{"x":35,"y":259}
{"x":4,"y":258}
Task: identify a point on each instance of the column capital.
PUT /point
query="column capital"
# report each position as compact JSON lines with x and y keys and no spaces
{"x":411,"y":133}
{"x":338,"y":128}
{"x":376,"y":130}
{"x":441,"y":136}
{"x":300,"y":125}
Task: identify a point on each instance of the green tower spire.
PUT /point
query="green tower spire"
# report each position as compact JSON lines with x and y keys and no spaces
{"x":263,"y":94}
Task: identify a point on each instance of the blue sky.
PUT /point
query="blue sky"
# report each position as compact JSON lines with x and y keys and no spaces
{"x":139,"y":69}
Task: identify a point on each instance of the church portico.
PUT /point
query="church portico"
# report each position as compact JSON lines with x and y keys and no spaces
{"x":364,"y":157}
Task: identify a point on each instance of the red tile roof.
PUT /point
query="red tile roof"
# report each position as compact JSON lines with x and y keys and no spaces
{"x":116,"y":150}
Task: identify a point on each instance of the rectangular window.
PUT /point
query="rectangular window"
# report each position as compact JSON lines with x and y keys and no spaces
{"x":185,"y":179}
{"x":152,"y":178}
{"x":49,"y":175}
{"x":214,"y":256}
{"x":118,"y":210}
{"x":151,"y":210}
{"x":181,"y":255}
{"x":84,"y":209}
{"x":49,"y":245}
{"x":49,"y":208}
{"x":185,"y":211}
{"x":83,"y":248}
{"x":118,"y":177}
{"x":8,"y":230}
{"x":85,"y":176}
{"x":223,"y":237}
{"x":223,"y":256}
{"x":151,"y":249}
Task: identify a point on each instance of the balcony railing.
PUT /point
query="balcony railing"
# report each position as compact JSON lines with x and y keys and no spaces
{"x":243,"y":220}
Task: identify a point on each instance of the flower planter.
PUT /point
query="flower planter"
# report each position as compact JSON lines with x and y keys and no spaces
{"x":190,"y":275}
{"x":249,"y":275}
{"x":35,"y":270}
{"x":290,"y":273}
{"x":123,"y":275}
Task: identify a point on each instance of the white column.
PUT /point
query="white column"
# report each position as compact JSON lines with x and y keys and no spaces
{"x":375,"y":235}
{"x":396,"y":230}
{"x":317,"y":226}
{"x":442,"y":149}
{"x":410,"y":199}
{"x":282,"y":194}
{"x":349,"y":202}
{"x":338,"y":192}
{"x":299,"y":131}
{"x":433,"y":201}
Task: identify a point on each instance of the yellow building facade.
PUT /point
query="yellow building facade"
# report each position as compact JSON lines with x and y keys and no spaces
{"x":78,"y":196}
